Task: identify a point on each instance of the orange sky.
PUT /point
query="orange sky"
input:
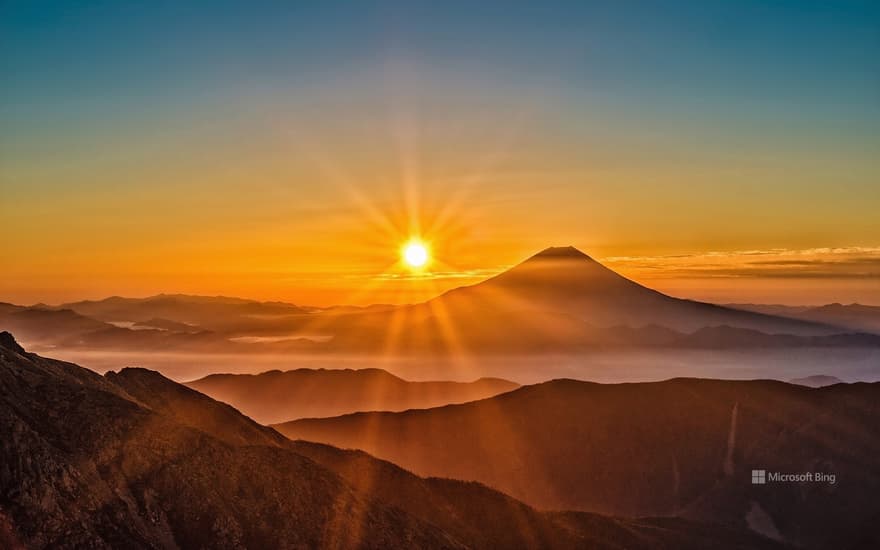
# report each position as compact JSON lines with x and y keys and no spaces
{"x":296,"y":172}
{"x":320,"y":221}
{"x":325,"y":256}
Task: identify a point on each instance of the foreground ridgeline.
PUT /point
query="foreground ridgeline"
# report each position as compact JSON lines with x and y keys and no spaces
{"x":134,"y":460}
{"x":683,"y":447}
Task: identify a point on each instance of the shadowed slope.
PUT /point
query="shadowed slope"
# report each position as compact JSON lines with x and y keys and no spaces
{"x":135,"y":460}
{"x":484,"y":517}
{"x":468,"y":511}
{"x":684,"y":446}
{"x":87,"y":466}
{"x":277,"y":396}
{"x":816,"y":381}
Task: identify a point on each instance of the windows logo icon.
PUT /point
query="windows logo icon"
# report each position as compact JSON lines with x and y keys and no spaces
{"x":759,"y":477}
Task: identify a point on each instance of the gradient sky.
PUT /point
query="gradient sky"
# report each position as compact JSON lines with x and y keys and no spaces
{"x":717,"y":150}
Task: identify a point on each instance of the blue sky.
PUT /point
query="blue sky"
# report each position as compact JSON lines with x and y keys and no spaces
{"x":821,"y":56}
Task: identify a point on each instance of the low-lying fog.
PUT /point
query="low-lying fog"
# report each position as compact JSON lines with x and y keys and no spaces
{"x":850,"y":365}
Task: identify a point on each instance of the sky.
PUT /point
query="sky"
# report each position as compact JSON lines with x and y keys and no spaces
{"x":724,"y":151}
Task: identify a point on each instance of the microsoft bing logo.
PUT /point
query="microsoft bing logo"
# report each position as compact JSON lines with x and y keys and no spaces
{"x":759,"y":477}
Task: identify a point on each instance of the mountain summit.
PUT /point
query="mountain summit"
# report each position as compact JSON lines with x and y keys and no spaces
{"x":560,"y":253}
{"x":567,"y":273}
{"x":566,"y":281}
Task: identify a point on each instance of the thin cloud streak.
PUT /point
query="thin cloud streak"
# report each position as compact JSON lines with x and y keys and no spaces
{"x":854,"y":262}
{"x":441,"y":275}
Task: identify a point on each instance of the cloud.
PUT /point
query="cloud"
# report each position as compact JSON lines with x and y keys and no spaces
{"x":439,"y":275}
{"x":853,"y":262}
{"x":775,"y":263}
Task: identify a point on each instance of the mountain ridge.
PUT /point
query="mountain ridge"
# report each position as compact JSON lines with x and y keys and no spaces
{"x":135,"y":460}
{"x":559,"y":300}
{"x":276,"y":396}
{"x":684,"y":447}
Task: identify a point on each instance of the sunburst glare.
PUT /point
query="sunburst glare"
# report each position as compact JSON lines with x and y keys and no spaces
{"x":415,"y":254}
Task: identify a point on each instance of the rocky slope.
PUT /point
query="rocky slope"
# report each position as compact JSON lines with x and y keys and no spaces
{"x":684,"y":447}
{"x":134,"y":460}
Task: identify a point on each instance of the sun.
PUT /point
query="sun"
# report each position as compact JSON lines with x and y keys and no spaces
{"x":415,"y":254}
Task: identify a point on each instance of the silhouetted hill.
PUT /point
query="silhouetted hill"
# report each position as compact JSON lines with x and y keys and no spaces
{"x":470,"y":512}
{"x":564,"y":280}
{"x":816,"y":381}
{"x":276,"y":396}
{"x":681,"y":447}
{"x":558,"y":301}
{"x":39,"y":325}
{"x":168,"y":322}
{"x":86,"y":465}
{"x":216,"y":313}
{"x":561,"y":300}
{"x":134,"y":460}
{"x":491,"y":514}
{"x":423,"y":329}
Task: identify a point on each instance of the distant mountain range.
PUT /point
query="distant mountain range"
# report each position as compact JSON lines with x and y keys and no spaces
{"x":856,"y":317}
{"x":558,"y":301}
{"x":214,"y":313}
{"x":563,"y":300}
{"x":682,"y":447}
{"x":276,"y":396}
{"x":134,"y":460}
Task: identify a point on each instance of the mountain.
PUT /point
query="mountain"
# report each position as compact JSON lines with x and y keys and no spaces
{"x":174,"y":322}
{"x":566,"y":281}
{"x":52,"y":327}
{"x":683,"y":447}
{"x":134,"y":460}
{"x":856,"y":317}
{"x":816,"y":381}
{"x":215,"y":313}
{"x":87,"y":465}
{"x":40,"y":325}
{"x":55,"y":328}
{"x":560,"y":300}
{"x":276,"y":396}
